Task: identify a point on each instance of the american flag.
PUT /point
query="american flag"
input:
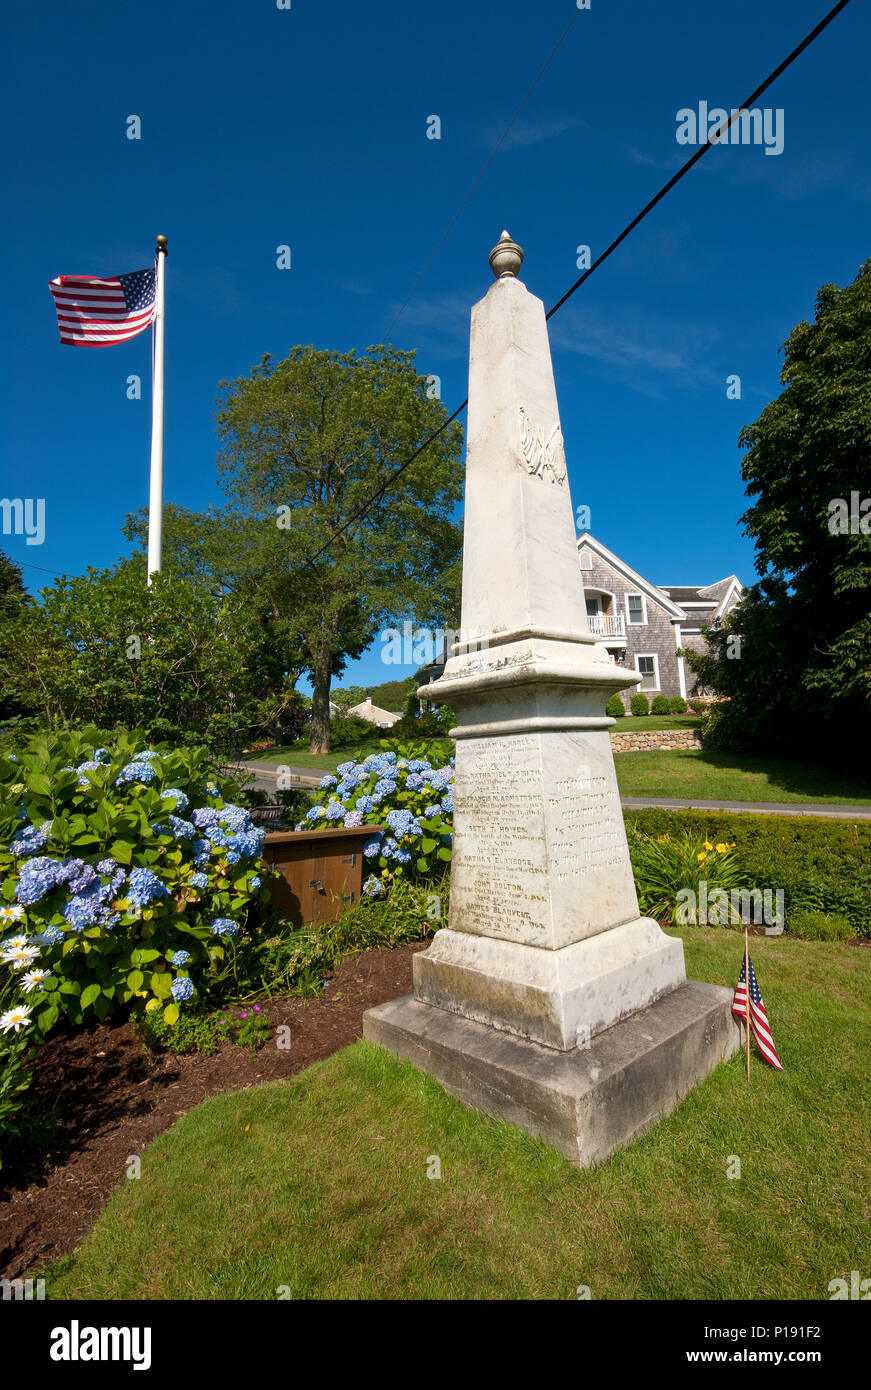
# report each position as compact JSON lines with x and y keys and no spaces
{"x":758,"y":1016}
{"x":97,"y":313}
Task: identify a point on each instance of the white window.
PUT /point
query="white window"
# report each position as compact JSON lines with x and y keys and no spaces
{"x":636,"y":610}
{"x":649,"y":668}
{"x":586,"y":560}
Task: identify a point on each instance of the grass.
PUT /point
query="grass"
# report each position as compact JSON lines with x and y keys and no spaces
{"x":654,"y":723}
{"x":326,"y":762}
{"x":691,"y":773}
{"x":319,"y":1185}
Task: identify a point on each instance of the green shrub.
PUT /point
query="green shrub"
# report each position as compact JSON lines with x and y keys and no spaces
{"x":205,"y":1033}
{"x":822,"y":865}
{"x":661,"y":705}
{"x":666,"y":865}
{"x":113,"y":899}
{"x":698,"y":706}
{"x":413,"y":798}
{"x":348,"y":729}
{"x":677,"y":705}
{"x":639,"y":704}
{"x":615,"y":707}
{"x":820,"y":926}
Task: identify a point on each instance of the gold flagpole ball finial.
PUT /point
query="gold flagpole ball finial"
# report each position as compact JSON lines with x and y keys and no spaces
{"x":161,"y":244}
{"x":506,"y":258}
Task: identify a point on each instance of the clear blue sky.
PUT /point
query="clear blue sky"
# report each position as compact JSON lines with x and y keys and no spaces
{"x":307,"y":126}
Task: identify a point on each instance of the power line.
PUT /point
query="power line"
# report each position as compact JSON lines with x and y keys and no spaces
{"x":722,"y":128}
{"x":488,"y":162}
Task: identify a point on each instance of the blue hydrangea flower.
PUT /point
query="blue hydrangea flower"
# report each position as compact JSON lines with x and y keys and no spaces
{"x":181,"y":989}
{"x":29,"y":840}
{"x":145,"y":888}
{"x":448,"y":804}
{"x":51,"y":936}
{"x":372,"y":888}
{"x":211,"y":789}
{"x":365,"y":804}
{"x":225,"y":926}
{"x":372,"y":847}
{"x":217,"y":836}
{"x":109,"y":867}
{"x":102,"y":755}
{"x":136,"y":772}
{"x":384,"y":787}
{"x":199,"y":880}
{"x":414,"y":782}
{"x":402,"y":856}
{"x":38,"y":877}
{"x":204,"y":816}
{"x":328,"y":781}
{"x":353,"y":818}
{"x":315,"y":813}
{"x":181,"y":801}
{"x":182,"y":829}
{"x":149,"y":753}
{"x":235,"y":817}
{"x":418,"y":765}
{"x":335,"y":811}
{"x":180,"y":957}
{"x":432,"y":811}
{"x":345,"y":768}
{"x":254,"y":882}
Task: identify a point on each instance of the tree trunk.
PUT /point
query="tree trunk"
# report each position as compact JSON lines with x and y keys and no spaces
{"x":320,"y":724}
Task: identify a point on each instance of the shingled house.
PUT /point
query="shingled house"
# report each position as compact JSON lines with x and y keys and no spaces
{"x":645,"y":625}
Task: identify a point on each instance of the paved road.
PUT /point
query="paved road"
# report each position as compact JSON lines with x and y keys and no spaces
{"x":768,"y":808}
{"x":265,"y":775}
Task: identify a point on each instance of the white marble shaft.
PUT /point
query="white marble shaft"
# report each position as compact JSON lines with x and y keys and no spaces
{"x":544,"y":937}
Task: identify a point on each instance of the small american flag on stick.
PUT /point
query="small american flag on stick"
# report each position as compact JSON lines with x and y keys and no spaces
{"x":758,"y":1016}
{"x":98,"y":313}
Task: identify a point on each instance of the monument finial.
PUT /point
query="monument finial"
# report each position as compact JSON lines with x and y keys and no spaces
{"x":506,"y":258}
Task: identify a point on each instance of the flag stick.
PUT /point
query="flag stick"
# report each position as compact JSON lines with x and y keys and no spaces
{"x":155,"y":495}
{"x":747,"y":991}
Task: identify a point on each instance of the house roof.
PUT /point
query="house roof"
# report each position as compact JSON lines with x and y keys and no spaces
{"x":367,"y":710}
{"x":690,"y":602}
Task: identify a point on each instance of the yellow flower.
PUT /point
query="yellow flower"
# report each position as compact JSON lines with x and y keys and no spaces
{"x":702,"y":857}
{"x":721,"y":849}
{"x":708,"y":845}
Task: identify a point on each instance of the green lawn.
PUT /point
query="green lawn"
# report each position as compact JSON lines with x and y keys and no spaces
{"x":653,"y":723}
{"x":325,"y":762}
{"x":732,"y":777}
{"x":319,"y":1185}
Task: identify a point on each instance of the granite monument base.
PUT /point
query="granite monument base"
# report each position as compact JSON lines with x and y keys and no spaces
{"x":587,"y":1102}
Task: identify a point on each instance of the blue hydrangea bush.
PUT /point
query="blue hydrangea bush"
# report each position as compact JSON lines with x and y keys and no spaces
{"x":126,"y":881}
{"x":413,"y":799}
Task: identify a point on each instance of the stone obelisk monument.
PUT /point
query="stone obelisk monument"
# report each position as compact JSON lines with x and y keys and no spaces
{"x":547,"y":999}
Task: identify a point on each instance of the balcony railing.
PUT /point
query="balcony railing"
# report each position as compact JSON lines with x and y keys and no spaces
{"x":607,"y":625}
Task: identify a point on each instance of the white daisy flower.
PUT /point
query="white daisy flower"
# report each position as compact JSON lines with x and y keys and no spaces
{"x":33,"y":979}
{"x":14,"y":912}
{"x":23,"y":956}
{"x":14,"y":1019}
{"x":15,"y":943}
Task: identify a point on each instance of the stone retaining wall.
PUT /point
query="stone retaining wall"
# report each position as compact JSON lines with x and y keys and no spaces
{"x":658,"y":738}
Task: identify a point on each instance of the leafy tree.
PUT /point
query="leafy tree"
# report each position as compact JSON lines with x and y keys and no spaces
{"x":306,"y":442}
{"x":352,"y":695}
{"x":11,"y":587}
{"x":795,"y":656}
{"x":170,"y":659}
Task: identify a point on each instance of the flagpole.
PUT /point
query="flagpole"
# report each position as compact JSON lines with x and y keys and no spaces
{"x":747,"y":991}
{"x":155,"y":495}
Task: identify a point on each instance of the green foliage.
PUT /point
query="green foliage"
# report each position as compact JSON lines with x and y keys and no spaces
{"x":104,"y":882}
{"x":661,"y":705}
{"x":428,"y":724}
{"x":346,"y":730}
{"x":698,"y":706}
{"x":169,"y":659}
{"x":821,"y":865}
{"x":664,"y":865}
{"x":639,"y":704}
{"x":677,"y":705}
{"x":615,"y":708}
{"x":798,"y":646}
{"x":821,"y":926}
{"x":205,"y":1033}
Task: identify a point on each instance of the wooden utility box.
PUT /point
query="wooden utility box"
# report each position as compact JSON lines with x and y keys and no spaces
{"x":321,"y":871}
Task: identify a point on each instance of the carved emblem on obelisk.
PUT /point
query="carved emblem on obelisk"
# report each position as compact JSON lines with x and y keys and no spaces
{"x":542,"y":449}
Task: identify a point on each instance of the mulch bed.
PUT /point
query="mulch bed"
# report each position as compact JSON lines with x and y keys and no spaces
{"x":113,"y":1099}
